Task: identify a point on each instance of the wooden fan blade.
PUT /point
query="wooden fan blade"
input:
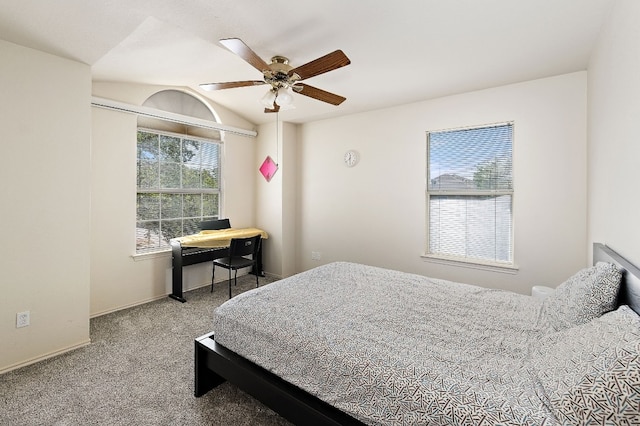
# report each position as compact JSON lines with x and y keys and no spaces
{"x":238,"y":47}
{"x":319,"y":94}
{"x":231,"y":84}
{"x":326,"y":63}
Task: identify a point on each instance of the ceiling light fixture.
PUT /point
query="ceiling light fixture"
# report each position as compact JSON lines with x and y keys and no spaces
{"x":284,"y":97}
{"x":280,"y":96}
{"x":269,"y":98}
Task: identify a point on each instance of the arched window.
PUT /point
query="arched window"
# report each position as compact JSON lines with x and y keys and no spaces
{"x":178,"y":172}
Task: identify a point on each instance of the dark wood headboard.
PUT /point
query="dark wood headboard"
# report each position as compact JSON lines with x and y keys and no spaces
{"x":630,"y":290}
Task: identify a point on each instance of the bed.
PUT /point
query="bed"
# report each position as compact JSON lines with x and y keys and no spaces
{"x":352,"y":344}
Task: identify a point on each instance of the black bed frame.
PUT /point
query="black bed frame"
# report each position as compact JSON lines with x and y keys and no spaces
{"x":215,"y":364}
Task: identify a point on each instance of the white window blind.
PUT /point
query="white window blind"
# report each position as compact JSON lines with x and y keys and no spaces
{"x":178,"y":187}
{"x":470,"y":193}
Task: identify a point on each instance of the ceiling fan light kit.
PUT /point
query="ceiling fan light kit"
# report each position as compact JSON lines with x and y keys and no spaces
{"x":281,"y":76}
{"x":284,"y":97}
{"x":268,"y":99}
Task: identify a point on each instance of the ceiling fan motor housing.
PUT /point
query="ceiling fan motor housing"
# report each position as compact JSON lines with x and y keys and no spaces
{"x":278,"y":73}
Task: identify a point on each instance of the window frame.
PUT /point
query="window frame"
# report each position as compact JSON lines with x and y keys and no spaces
{"x":150,"y":251}
{"x":473,"y":262}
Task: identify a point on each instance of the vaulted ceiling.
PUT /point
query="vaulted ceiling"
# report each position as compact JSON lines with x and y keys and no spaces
{"x":400,"y":52}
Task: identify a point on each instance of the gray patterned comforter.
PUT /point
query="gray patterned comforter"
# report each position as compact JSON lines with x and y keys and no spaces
{"x":392,"y":348}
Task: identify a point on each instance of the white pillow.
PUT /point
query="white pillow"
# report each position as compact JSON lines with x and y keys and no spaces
{"x":586,"y":295}
{"x":591,"y":373}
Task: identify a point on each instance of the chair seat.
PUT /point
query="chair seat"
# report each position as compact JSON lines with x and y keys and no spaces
{"x":239,"y":249}
{"x":234,"y":263}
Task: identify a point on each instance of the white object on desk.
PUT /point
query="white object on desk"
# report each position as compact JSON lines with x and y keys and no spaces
{"x":541,"y":291}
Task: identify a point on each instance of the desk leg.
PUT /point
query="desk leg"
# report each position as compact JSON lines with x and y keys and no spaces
{"x":176,"y":274}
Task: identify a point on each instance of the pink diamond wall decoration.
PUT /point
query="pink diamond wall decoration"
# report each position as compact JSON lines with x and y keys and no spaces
{"x":268,"y":168}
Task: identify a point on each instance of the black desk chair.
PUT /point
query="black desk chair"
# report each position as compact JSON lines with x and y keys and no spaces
{"x":239,"y":251}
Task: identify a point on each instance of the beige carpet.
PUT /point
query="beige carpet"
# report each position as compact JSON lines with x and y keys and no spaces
{"x":138,"y":370}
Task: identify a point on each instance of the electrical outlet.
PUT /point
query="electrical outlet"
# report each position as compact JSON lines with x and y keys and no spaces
{"x":22,"y":319}
{"x":316,"y":255}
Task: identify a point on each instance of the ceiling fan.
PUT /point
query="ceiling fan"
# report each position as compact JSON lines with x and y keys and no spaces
{"x":281,"y":76}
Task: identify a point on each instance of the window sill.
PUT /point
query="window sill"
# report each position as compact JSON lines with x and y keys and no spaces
{"x":485,"y":266}
{"x":151,"y":255}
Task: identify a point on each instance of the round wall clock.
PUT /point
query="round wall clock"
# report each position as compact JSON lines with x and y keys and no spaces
{"x":351,"y":158}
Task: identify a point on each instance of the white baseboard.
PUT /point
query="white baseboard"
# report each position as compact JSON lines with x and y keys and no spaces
{"x":97,"y":314}
{"x":130,"y":305}
{"x":195,"y":287}
{"x":45,"y":356}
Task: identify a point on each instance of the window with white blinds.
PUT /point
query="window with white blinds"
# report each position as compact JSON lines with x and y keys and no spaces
{"x":178,"y":187}
{"x":469,"y":194}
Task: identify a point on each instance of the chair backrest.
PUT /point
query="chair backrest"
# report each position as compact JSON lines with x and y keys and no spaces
{"x":245,"y":246}
{"x":215,"y":224}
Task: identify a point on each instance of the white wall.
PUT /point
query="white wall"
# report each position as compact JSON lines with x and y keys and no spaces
{"x":117,"y":280}
{"x":276,"y":199}
{"x":374,"y":213}
{"x":289,"y":199}
{"x":614,"y":148}
{"x":44,"y":187}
